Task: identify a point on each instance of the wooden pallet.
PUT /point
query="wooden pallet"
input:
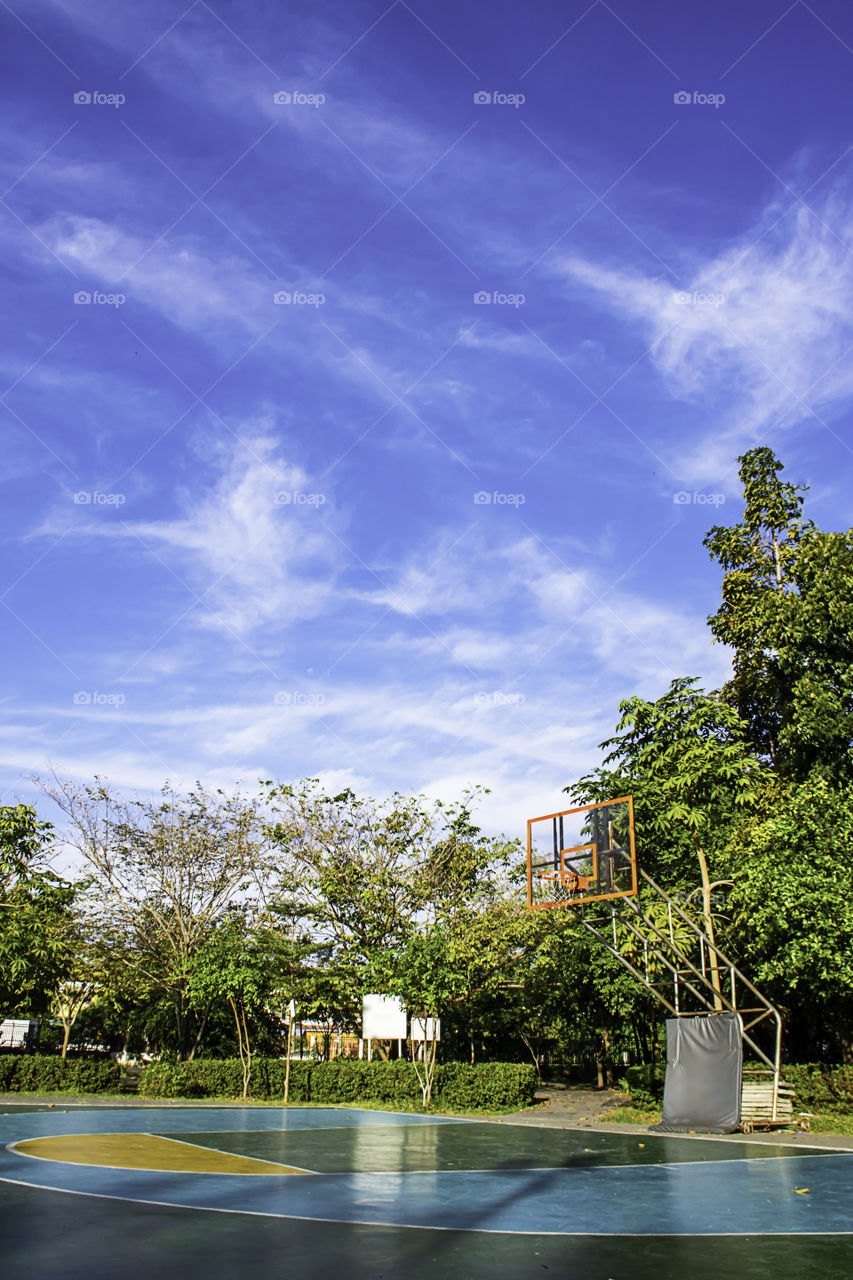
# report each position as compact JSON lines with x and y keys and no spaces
{"x":756,"y":1108}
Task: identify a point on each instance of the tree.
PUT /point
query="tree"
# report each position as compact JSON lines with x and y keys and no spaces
{"x":793,"y":904}
{"x":35,"y":911}
{"x":163,"y":875}
{"x":686,"y":760}
{"x":787,"y":613}
{"x":238,"y":965}
{"x":363,"y":876}
{"x":85,"y":969}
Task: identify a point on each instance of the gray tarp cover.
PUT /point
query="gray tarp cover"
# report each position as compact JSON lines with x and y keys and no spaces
{"x":704,"y":1062}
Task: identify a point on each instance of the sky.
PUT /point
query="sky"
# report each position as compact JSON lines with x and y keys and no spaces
{"x":372,"y":372}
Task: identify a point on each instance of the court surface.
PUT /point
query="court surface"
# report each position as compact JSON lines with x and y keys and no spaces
{"x":225,"y":1191}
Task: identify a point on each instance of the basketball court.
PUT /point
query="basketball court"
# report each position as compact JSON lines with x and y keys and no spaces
{"x":122,"y":1193}
{"x":222,"y":1191}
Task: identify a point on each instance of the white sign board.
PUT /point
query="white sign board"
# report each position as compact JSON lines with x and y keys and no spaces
{"x":383,"y":1018}
{"x":430,"y":1031}
{"x":16,"y":1034}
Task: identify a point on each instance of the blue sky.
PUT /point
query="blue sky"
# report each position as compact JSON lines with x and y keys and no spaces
{"x":420,"y":345}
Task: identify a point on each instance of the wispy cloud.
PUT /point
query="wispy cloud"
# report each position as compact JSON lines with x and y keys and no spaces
{"x":762,"y":329}
{"x":253,"y":543}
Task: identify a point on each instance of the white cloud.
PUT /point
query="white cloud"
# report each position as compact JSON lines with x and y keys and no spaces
{"x":762,"y":332}
{"x":177,"y":276}
{"x":254,"y":542}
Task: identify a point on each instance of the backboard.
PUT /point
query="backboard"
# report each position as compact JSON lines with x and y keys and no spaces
{"x":582,"y":855}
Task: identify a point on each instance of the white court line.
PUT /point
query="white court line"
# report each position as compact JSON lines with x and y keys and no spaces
{"x":416,"y":1226}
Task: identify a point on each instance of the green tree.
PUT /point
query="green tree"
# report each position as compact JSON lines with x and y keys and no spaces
{"x":787,"y":614}
{"x":686,"y":760}
{"x":86,"y":968}
{"x":163,"y":875}
{"x":792,"y":903}
{"x":236,"y":965}
{"x":362,"y":877}
{"x":35,"y":913}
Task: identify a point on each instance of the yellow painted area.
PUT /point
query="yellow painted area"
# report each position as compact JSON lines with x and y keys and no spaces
{"x":145,"y":1151}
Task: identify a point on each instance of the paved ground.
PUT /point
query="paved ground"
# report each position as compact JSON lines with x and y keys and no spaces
{"x":97,"y":1189}
{"x":567,"y":1106}
{"x":95,"y":1193}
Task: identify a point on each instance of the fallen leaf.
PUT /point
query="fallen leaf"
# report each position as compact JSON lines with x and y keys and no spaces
{"x":801,"y":1191}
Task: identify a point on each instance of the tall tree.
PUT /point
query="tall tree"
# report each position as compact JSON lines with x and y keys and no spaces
{"x":164,"y":874}
{"x":359,"y":874}
{"x":787,"y":614}
{"x":686,"y":760}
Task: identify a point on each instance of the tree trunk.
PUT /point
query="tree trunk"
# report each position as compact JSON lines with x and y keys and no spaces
{"x":530,"y":1050}
{"x":709,"y":922}
{"x":608,"y":1059}
{"x":430,"y":1051}
{"x":66,"y":1036}
{"x":181,"y":1030}
{"x":242,"y":1043}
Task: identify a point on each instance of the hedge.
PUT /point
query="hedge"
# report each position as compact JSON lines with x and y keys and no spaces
{"x":32,"y":1073}
{"x":493,"y":1085}
{"x":817,"y":1086}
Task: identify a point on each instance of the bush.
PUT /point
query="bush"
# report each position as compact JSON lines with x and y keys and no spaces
{"x":492,"y":1085}
{"x":819,"y":1087}
{"x":645,"y":1084}
{"x":354,"y":1080}
{"x":37,"y":1074}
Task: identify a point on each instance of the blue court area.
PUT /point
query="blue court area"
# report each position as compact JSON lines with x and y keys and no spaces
{"x":150,"y":1191}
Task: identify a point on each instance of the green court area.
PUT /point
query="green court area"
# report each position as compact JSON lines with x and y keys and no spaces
{"x":221,"y":1191}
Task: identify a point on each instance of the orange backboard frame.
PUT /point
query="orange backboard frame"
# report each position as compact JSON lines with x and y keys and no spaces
{"x":575,"y":887}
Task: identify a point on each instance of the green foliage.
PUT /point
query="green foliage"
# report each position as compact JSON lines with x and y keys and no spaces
{"x":686,"y":761}
{"x":819,"y":1087}
{"x":787,"y":613}
{"x":644,"y":1083}
{"x":26,"y":1073}
{"x":35,"y":913}
{"x":357,"y":1080}
{"x":792,"y":902}
{"x":490,"y":1085}
{"x":223,"y":1078}
{"x":163,"y":874}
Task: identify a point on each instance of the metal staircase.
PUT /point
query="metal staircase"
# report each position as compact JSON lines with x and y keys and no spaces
{"x":666,"y":950}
